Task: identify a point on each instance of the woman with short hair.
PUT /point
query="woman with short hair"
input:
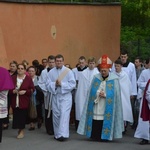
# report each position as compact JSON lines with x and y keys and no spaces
{"x":20,"y":98}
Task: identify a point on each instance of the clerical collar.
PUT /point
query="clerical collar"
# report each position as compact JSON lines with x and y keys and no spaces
{"x":48,"y":69}
{"x":104,"y":78}
{"x":126,"y":64}
{"x":81,"y":69}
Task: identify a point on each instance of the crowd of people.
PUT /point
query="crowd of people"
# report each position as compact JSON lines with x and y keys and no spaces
{"x":100,"y":98}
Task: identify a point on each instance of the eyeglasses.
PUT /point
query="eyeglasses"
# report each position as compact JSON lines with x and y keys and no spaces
{"x":20,"y":68}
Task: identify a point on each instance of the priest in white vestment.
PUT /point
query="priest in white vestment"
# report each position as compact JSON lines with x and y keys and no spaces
{"x":125,"y":86}
{"x":47,"y":95}
{"x":143,"y":126}
{"x":60,"y":83}
{"x":77,"y":73}
{"x":129,"y":68}
{"x":84,"y":83}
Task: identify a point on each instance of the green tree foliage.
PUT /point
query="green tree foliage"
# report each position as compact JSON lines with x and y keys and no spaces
{"x":135,"y":27}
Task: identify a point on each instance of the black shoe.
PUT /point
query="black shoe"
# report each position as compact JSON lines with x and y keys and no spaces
{"x":104,"y":140}
{"x":50,"y":132}
{"x":31,"y":128}
{"x":143,"y":142}
{"x":39,"y":125}
{"x":61,"y":139}
{"x":96,"y":139}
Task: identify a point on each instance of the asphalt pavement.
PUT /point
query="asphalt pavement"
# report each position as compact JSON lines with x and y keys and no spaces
{"x":39,"y":140}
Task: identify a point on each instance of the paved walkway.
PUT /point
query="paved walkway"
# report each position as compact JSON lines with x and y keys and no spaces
{"x":39,"y":140}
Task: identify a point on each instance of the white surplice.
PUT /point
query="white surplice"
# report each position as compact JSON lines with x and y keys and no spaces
{"x":131,"y":72}
{"x":143,"y":130}
{"x":125,"y":85}
{"x":84,"y":81}
{"x":75,"y":72}
{"x":42,"y":84}
{"x":61,"y":100}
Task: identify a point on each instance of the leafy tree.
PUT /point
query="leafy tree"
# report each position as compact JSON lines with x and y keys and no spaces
{"x":135,"y":31}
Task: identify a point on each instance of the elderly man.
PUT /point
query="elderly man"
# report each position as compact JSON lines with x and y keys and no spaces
{"x":102,"y":118}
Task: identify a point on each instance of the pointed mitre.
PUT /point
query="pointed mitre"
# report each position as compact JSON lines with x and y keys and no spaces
{"x":104,"y":62}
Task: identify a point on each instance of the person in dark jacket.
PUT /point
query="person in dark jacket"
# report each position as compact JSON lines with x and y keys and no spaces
{"x":20,"y":98}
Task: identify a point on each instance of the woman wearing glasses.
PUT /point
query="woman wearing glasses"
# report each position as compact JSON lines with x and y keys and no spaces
{"x":21,"y":95}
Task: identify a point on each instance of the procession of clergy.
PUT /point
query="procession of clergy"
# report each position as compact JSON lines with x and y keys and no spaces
{"x":104,"y":96}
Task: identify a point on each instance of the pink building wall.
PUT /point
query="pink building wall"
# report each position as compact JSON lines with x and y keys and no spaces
{"x":34,"y":31}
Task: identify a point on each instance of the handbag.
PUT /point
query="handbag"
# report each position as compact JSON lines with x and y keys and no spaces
{"x":32,"y":110}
